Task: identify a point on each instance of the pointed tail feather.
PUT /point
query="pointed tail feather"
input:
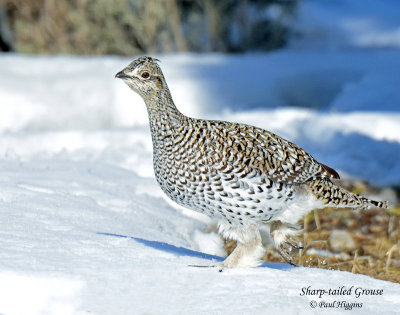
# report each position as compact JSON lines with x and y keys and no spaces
{"x":332,"y":195}
{"x":372,"y":203}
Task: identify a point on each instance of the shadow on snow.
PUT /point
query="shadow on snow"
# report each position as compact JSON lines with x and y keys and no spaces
{"x":182,"y":251}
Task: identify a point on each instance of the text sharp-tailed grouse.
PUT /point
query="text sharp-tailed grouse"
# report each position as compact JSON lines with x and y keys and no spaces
{"x":240,"y":175}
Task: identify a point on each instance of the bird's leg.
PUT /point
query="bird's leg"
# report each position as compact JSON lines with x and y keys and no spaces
{"x":284,"y":237}
{"x":248,"y":251}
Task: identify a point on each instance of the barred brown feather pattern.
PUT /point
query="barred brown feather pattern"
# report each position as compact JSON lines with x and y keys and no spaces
{"x":259,"y":150}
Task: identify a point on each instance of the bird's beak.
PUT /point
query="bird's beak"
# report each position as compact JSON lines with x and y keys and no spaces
{"x":121,"y":75}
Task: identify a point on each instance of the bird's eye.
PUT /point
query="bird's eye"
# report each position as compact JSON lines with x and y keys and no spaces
{"x":145,"y":75}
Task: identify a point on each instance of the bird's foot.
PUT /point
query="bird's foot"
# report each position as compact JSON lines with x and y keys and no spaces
{"x":286,"y":243}
{"x":287,"y":250}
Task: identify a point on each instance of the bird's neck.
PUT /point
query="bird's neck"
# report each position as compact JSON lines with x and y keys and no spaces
{"x":162,"y":111}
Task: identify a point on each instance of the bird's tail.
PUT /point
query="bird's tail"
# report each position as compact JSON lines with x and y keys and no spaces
{"x":333,"y":195}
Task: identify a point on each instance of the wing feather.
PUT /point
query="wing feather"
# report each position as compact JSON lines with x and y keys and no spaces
{"x":281,"y":160}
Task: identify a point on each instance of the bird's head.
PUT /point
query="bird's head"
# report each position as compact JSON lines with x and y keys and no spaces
{"x":144,"y":76}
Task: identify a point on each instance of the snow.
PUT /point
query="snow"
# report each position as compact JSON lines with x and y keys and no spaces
{"x":338,"y":24}
{"x":72,"y":169}
{"x":53,"y":295}
{"x":85,"y":228}
{"x":56,"y":258}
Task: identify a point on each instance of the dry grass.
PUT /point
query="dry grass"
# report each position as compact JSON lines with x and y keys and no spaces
{"x":376,"y":234}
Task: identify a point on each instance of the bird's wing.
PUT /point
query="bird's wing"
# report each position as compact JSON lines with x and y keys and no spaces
{"x":279,"y":159}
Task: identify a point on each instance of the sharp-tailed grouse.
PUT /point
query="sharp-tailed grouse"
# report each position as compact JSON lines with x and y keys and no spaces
{"x":240,"y":175}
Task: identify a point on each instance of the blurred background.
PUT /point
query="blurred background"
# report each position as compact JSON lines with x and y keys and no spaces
{"x":321,"y":73}
{"x":131,"y":27}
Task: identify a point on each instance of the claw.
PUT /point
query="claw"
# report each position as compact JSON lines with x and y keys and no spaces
{"x":295,"y":245}
{"x":285,"y":254}
{"x":284,"y":236}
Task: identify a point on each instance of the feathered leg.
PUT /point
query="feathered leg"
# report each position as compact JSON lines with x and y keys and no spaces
{"x":248,"y":251}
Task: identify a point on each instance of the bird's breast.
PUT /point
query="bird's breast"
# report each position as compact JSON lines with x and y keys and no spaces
{"x":211,"y":185}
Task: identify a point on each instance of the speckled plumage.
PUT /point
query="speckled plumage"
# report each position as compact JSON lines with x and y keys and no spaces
{"x":240,"y":175}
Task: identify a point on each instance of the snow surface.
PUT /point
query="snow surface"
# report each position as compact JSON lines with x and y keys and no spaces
{"x":56,"y":259}
{"x":76,"y":164}
{"x":86,"y":230}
